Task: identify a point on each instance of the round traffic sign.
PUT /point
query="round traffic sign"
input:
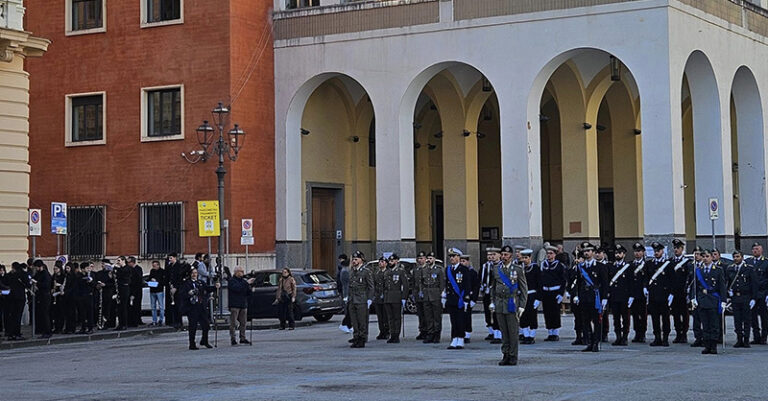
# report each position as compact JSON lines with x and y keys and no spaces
{"x":713,"y":205}
{"x":246,"y":224}
{"x":35,"y":217}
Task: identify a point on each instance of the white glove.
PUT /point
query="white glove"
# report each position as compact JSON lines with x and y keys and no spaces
{"x":492,"y":307}
{"x":536,"y":304}
{"x":723,"y":305}
{"x":629,"y":304}
{"x":369,"y":303}
{"x":645,"y":292}
{"x":751,"y":304}
{"x":766,"y":300}
{"x":559,"y":299}
{"x":576,"y":300}
{"x":519,"y":313}
{"x":730,"y":293}
{"x":442,"y":301}
{"x":442,"y":294}
{"x":472,"y":304}
{"x":465,"y":307}
{"x":695,"y":303}
{"x":346,"y":299}
{"x":669,"y":299}
{"x":421,"y":294}
{"x":403,"y":301}
{"x":605,"y":303}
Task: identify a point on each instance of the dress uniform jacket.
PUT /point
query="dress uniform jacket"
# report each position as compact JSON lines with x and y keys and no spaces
{"x":533,"y":279}
{"x":464,"y":283}
{"x":660,"y":286}
{"x":588,"y":293}
{"x":761,"y":274}
{"x":395,"y":284}
{"x":715,"y":280}
{"x":639,"y":280}
{"x":553,"y":276}
{"x":431,"y":282}
{"x":500,"y":292}
{"x":620,"y":281}
{"x":681,"y":267}
{"x":742,"y":283}
{"x":379,"y":276}
{"x":360,"y":286}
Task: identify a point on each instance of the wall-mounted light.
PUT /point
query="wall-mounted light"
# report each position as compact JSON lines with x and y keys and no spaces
{"x":587,"y":126}
{"x":355,"y":139}
{"x":304,"y":132}
{"x":465,"y":133}
{"x":487,"y":85}
{"x":431,"y":146}
{"x":601,"y":127}
{"x":637,"y":131}
{"x":615,"y":69}
{"x":480,"y":135}
{"x":439,"y":135}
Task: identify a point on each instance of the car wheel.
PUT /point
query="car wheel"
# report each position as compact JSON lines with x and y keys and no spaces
{"x":410,"y":307}
{"x":324,"y":317}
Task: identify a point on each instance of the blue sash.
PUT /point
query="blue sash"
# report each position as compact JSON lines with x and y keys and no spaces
{"x":512,"y":288}
{"x":455,"y":286}
{"x":709,"y":290}
{"x":598,"y":304}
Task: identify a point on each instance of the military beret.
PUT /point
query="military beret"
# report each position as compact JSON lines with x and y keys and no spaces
{"x":620,"y":248}
{"x":526,"y":252}
{"x":358,"y":254}
{"x":394,"y":257}
{"x":638,"y":247}
{"x":677,"y":243}
{"x":506,"y":248}
{"x":657,"y":246}
{"x":492,"y":249}
{"x":421,"y":254}
{"x":519,"y":247}
{"x":454,"y":251}
{"x":551,"y":248}
{"x":756,"y":244}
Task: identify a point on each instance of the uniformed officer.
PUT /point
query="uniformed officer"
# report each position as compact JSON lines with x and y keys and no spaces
{"x":509,"y":292}
{"x":359,"y":299}
{"x":194,"y":298}
{"x":465,"y":261}
{"x":638,"y":301}
{"x":619,"y":291}
{"x":601,"y":258}
{"x":430,"y":285}
{"x":659,"y":293}
{"x":395,"y":293}
{"x":486,"y":275}
{"x":529,"y":321}
{"x":742,"y":287}
{"x":681,"y":267}
{"x":518,"y":248}
{"x":592,"y":285}
{"x":552,"y":290}
{"x":572,"y":275}
{"x":760,"y":311}
{"x":123,"y":274}
{"x":378,"y":301}
{"x":697,"y":332}
{"x":458,"y":287}
{"x":413,"y":279}
{"x":707,"y":294}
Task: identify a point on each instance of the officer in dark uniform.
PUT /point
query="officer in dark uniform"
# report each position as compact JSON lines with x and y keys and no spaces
{"x":458,"y":288}
{"x":619,"y":291}
{"x":529,"y":321}
{"x":194,"y":303}
{"x":552,"y":290}
{"x":572,"y":275}
{"x":43,"y":282}
{"x":681,"y":267}
{"x":359,"y":299}
{"x":707,"y":297}
{"x":430,"y":287}
{"x":421,"y":262}
{"x":486,"y":276}
{"x":509,"y":292}
{"x":379,"y":276}
{"x":742,"y":287}
{"x":638,"y":300}
{"x":83,"y":290}
{"x":473,"y":276}
{"x":105,"y":283}
{"x":395,"y":293}
{"x":601,"y":258}
{"x":17,"y":281}
{"x":592,"y":285}
{"x":123,"y":273}
{"x":659,"y":291}
{"x":760,"y":311}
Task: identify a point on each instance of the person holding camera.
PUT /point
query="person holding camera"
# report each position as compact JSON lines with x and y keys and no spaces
{"x":285,"y":297}
{"x":194,"y":295}
{"x":239,"y":290}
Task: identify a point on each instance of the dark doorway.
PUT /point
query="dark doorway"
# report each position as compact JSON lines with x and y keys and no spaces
{"x":326,"y":203}
{"x":607,"y":229}
{"x":437,"y":224}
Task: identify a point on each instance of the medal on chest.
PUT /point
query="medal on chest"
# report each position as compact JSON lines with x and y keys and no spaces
{"x":459,"y":277}
{"x":396,"y":278}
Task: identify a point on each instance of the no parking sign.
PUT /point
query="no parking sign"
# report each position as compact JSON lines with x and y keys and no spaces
{"x":35,"y":223}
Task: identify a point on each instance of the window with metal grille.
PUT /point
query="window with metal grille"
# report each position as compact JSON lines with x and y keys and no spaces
{"x":162,"y":229}
{"x":291,"y":4}
{"x":86,"y":14}
{"x":86,"y":237}
{"x":163,"y":10}
{"x":87,"y":118}
{"x":164,"y":112}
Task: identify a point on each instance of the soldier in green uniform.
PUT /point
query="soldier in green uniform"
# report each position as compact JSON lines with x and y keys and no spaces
{"x":509,"y":291}
{"x":395,"y":292}
{"x":378,"y":299}
{"x":708,"y":297}
{"x":360,"y":299}
{"x":421,"y":262}
{"x":430,"y":284}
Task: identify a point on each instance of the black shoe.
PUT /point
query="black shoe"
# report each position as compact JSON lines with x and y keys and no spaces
{"x":624,"y":341}
{"x":467,"y":340}
{"x":420,"y":336}
{"x":739,"y":344}
{"x":588,"y":349}
{"x":356,"y":344}
{"x":595,"y":347}
{"x":382,"y":336}
{"x":206,"y":344}
{"x":697,"y":343}
{"x":504,"y":361}
{"x":713,"y":350}
{"x":604,"y":339}
{"x":746,"y":345}
{"x":549,"y":338}
{"x":656,"y":342}
{"x":520,"y":337}
{"x":578,"y":341}
{"x":496,"y":341}
{"x":282,"y":328}
{"x":512,"y":362}
{"x":233,"y":342}
{"x":436,"y":339}
{"x":193,"y":347}
{"x":244,"y":341}
{"x":451,"y":347}
{"x":489,"y":337}
{"x":665,"y":343}
{"x":617,"y":342}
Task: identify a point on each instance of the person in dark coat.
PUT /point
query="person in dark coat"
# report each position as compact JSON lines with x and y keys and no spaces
{"x":123,"y":273}
{"x":106,"y":287}
{"x":529,"y":320}
{"x":592,"y":286}
{"x":193,"y":296}
{"x":83,"y":291}
{"x":239,"y":290}
{"x":17,"y":282}
{"x":708,"y":297}
{"x":137,"y":290}
{"x":3,"y":287}
{"x":619,"y":291}
{"x":175,"y":279}
{"x":458,"y":289}
{"x":43,"y":299}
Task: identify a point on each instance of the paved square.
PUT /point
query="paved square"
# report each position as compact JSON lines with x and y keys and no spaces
{"x":315,"y":363}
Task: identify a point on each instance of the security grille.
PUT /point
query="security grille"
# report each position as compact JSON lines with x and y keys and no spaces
{"x":162,"y":229}
{"x":87,"y":234}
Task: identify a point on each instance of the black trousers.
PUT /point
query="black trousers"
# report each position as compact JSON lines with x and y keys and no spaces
{"x":122,"y":307}
{"x":591,"y":323}
{"x":578,"y":323}
{"x":198,"y":315}
{"x":43,"y":314}
{"x":172,"y":315}
{"x":13,"y":310}
{"x":680,"y":315}
{"x":420,"y":314}
{"x":285,"y":313}
{"x":659,"y":311}
{"x":108,"y":307}
{"x":70,"y":314}
{"x":620,"y":312}
{"x":639,"y":312}
{"x":134,"y":309}
{"x":530,"y":317}
{"x":697,"y":330}
{"x":606,"y":323}
{"x":84,"y":312}
{"x":742,"y":319}
{"x":383,"y":320}
{"x":551,"y":310}
{"x":394,"y":318}
{"x":458,"y":321}
{"x":710,"y":323}
{"x":760,"y":327}
{"x":346,"y":321}
{"x":468,"y":321}
{"x":57,"y":314}
{"x":490,"y":317}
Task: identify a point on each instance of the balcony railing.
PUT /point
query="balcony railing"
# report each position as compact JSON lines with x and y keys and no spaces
{"x":12,"y":14}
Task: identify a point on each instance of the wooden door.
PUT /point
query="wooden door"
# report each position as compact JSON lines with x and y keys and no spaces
{"x":324,"y":229}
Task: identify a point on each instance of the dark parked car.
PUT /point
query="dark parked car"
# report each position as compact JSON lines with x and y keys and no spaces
{"x":317,"y":294}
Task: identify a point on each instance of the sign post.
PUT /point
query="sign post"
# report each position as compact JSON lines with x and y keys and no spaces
{"x":58,"y":222}
{"x":714,"y":214}
{"x":35,"y":228}
{"x":246,"y":238}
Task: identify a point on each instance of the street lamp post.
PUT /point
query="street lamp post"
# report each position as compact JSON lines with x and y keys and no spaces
{"x":230,"y":148}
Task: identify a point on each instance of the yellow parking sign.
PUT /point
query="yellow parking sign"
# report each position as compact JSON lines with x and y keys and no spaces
{"x":208,"y":218}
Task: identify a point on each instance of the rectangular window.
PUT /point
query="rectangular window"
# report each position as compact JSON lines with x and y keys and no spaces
{"x":87,"y":118}
{"x":162,"y":228}
{"x":291,"y":4}
{"x":86,"y":237}
{"x":164,"y":112}
{"x":86,"y":14}
{"x":163,"y":10}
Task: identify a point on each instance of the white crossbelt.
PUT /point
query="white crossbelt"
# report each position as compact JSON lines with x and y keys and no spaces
{"x":555,"y":288}
{"x":679,"y":265}
{"x":618,"y":274}
{"x":531,"y":291}
{"x":640,"y":267}
{"x":655,"y":275}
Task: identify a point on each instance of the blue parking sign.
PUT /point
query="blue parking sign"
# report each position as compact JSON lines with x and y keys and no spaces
{"x":59,"y":218}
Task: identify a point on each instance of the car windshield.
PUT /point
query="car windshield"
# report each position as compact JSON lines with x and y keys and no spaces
{"x":317,"y":278}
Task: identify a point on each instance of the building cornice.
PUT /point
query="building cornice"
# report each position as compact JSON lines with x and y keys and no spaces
{"x":13,"y":42}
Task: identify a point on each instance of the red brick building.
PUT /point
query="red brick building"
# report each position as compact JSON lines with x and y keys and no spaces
{"x":117,"y":100}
